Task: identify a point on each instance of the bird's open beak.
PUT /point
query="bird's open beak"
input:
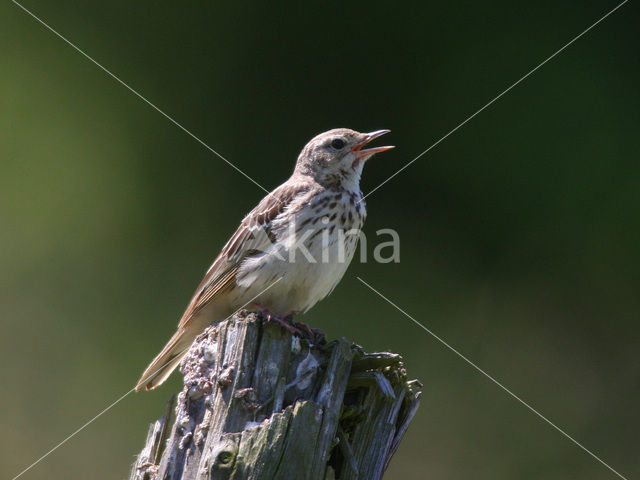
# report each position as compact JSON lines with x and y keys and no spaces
{"x":357,"y":148}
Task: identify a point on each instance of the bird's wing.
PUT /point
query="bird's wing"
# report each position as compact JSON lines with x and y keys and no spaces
{"x":252,"y":237}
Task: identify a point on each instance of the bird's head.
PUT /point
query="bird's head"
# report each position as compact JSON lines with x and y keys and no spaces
{"x":337,"y":156}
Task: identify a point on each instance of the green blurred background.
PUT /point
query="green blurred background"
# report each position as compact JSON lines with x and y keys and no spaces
{"x":520,"y":232}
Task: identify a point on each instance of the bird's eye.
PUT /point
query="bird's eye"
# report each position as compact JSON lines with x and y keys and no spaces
{"x":337,"y":144}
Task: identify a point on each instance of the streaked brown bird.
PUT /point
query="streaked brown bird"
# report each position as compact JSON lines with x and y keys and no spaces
{"x":289,"y":252}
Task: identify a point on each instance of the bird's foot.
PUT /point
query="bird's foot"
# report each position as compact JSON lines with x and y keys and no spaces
{"x":306,"y":329}
{"x":284,"y":321}
{"x":302,"y":330}
{"x":290,"y":314}
{"x":287,"y":325}
{"x":314,"y":335}
{"x":263,"y":311}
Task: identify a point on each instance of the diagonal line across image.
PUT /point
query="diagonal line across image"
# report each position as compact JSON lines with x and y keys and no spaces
{"x":105,"y":410}
{"x":463,"y":357}
{"x":497,"y":97}
{"x":188,"y":132}
{"x":140,"y":96}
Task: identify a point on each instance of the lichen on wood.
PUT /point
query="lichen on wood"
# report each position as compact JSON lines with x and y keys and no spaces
{"x":261,"y":404}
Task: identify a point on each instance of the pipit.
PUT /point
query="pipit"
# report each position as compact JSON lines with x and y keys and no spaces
{"x":289,"y":252}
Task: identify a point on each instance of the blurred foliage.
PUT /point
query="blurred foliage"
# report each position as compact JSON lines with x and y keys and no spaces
{"x":520,"y":232}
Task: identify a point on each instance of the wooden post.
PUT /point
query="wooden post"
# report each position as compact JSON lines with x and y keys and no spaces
{"x":260,"y":404}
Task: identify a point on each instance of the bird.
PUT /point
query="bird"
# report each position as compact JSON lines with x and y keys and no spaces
{"x":289,"y":252}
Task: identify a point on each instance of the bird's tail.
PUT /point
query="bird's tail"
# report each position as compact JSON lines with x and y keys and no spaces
{"x":167,"y":360}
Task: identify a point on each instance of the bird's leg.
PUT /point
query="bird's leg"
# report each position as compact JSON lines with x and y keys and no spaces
{"x":290,"y":314}
{"x":313,"y":334}
{"x":286,"y":325}
{"x":302,"y":330}
{"x":266,"y":314}
{"x":263,"y":311}
{"x":308,"y":331}
{"x":283,"y":321}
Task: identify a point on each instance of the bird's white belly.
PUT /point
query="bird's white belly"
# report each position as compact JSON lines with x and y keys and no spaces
{"x":300,"y":269}
{"x":299,"y":288}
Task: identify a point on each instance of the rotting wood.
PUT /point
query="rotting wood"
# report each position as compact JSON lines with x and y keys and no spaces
{"x":259,"y":404}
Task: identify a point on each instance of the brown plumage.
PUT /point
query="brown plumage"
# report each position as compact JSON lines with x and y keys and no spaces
{"x":256,"y":266}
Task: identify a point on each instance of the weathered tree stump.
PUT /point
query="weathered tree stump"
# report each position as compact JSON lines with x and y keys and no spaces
{"x":261,"y":404}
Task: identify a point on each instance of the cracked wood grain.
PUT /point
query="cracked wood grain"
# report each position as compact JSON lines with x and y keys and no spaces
{"x":259,"y":404}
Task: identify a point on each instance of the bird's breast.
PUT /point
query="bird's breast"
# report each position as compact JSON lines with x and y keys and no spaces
{"x":313,"y":247}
